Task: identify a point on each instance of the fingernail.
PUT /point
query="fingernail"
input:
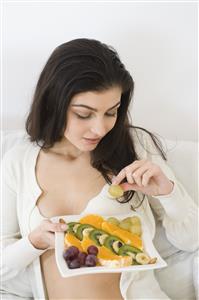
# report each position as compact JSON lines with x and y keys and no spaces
{"x":114,"y":180}
{"x":64,"y":226}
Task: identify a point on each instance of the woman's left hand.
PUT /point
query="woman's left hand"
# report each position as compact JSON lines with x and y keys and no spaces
{"x":146,"y":177}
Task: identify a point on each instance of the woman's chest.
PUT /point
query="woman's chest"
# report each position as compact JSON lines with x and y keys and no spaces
{"x":66,"y":187}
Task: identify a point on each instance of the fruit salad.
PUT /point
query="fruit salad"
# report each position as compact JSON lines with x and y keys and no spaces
{"x":96,"y":241}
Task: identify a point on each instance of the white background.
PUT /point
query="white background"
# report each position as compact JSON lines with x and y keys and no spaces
{"x":156,"y":42}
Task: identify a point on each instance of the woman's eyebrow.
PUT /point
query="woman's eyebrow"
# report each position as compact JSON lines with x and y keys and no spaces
{"x":94,"y":109}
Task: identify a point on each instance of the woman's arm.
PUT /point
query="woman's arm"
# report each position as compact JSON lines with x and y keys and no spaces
{"x":17,"y":252}
{"x":152,"y":176}
{"x":176,"y":210}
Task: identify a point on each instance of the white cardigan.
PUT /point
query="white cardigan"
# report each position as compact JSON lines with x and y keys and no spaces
{"x":177,"y":212}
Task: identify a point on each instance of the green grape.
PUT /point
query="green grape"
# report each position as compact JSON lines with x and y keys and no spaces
{"x":116,"y":191}
{"x":135,"y":220}
{"x":136,"y":229}
{"x":127,"y":220}
{"x":113,"y":220}
{"x":125,"y":225}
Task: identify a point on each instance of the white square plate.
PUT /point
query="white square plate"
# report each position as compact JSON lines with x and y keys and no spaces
{"x":147,"y":243}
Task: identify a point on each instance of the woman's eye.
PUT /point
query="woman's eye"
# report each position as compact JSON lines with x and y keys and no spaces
{"x":83,"y":117}
{"x":89,"y":116}
{"x":112,"y":114}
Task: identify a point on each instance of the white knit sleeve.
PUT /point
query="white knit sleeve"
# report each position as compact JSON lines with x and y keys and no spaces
{"x":17,"y":252}
{"x":177,"y":211}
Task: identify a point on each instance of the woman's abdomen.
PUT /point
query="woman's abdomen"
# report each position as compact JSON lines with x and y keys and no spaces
{"x":92,"y":286}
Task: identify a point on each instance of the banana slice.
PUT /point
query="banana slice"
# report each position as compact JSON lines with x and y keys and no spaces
{"x":131,"y":254}
{"x":142,"y":258}
{"x":116,"y":246}
{"x":86,"y":231}
{"x":102,"y":238}
{"x":75,"y":227}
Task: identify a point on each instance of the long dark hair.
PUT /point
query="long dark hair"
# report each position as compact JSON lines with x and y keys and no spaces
{"x":78,"y":66}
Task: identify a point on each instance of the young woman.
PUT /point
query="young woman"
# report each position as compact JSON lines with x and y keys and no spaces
{"x":80,"y":142}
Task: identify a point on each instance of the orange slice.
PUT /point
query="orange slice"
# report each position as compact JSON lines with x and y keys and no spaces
{"x":86,"y":242}
{"x":126,"y":236}
{"x":71,"y":240}
{"x":107,"y":258}
{"x":94,"y":220}
{"x":105,"y":253}
{"x":109,"y":227}
{"x":129,"y":238}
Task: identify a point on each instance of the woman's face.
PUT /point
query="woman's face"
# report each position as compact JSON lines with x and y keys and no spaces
{"x":91,"y":115}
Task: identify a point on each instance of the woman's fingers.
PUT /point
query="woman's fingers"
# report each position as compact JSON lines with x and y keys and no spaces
{"x":139,"y":173}
{"x":50,"y":237}
{"x":129,"y":176}
{"x":144,"y":176}
{"x":43,"y":236}
{"x":120,"y":176}
{"x":53,"y":227}
{"x":130,"y":186}
{"x":128,"y":171}
{"x":147,"y":176}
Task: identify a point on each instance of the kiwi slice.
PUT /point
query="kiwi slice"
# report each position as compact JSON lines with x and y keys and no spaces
{"x":127,"y":249}
{"x":113,"y":243}
{"x":98,"y":236}
{"x":71,"y":226}
{"x":79,"y":233}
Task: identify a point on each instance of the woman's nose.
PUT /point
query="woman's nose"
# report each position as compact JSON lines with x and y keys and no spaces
{"x":99,"y":128}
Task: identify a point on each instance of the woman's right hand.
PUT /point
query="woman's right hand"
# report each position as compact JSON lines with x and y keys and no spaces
{"x":43,"y":236}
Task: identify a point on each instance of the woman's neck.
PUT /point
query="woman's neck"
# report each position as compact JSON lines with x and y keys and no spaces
{"x":67,"y":150}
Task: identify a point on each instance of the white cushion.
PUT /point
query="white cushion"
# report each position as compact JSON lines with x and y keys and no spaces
{"x":11,"y":138}
{"x":182,"y":157}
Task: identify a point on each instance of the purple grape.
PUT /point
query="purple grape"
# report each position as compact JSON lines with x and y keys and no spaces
{"x":82,"y":257}
{"x":91,"y":260}
{"x":71,"y":253}
{"x":74,"y":264}
{"x":92,"y":250}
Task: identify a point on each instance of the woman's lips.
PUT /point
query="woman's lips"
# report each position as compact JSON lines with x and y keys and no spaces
{"x":92,"y":141}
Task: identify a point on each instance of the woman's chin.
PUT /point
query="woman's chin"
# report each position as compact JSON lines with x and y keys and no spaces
{"x":88,"y":148}
{"x":88,"y":145}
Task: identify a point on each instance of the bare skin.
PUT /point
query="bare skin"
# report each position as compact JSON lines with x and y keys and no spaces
{"x":61,"y":196}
